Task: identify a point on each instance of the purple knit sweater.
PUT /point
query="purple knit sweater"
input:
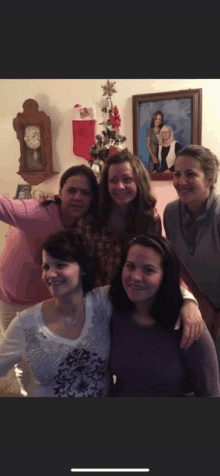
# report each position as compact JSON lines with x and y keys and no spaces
{"x":148,"y":362}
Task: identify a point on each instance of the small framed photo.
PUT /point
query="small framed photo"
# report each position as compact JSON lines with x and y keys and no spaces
{"x":23,"y":191}
{"x":164,"y":123}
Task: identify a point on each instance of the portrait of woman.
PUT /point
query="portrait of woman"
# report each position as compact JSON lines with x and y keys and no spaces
{"x":152,"y":135}
{"x":168,"y":148}
{"x":151,"y":112}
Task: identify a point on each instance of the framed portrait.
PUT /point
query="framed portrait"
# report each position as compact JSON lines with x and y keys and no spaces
{"x":23,"y":191}
{"x":164,"y":123}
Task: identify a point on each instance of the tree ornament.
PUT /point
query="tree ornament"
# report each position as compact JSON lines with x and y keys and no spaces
{"x":109,"y":140}
{"x":116,"y":119}
{"x":109,"y":89}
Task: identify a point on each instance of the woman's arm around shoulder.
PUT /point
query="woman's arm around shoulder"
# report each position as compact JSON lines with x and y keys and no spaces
{"x":18,"y":213}
{"x":202,"y":366}
{"x":12,"y":346}
{"x":191,"y":318}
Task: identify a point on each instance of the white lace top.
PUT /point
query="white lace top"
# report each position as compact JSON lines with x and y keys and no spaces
{"x":61,"y":367}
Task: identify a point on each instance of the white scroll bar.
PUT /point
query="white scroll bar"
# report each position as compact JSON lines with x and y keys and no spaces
{"x":111,"y":470}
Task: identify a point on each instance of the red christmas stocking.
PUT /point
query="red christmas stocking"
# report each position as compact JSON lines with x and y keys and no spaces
{"x":83,"y":137}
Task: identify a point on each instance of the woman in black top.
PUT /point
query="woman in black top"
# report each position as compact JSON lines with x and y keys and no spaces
{"x":168,"y":148}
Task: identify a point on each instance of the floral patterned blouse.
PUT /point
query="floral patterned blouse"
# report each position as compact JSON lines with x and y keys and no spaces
{"x":61,"y":367}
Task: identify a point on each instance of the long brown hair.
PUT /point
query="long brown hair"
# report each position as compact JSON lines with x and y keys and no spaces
{"x":140,"y":211}
{"x":168,"y":302}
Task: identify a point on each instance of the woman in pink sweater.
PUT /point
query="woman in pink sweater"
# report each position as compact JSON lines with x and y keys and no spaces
{"x":31,"y":223}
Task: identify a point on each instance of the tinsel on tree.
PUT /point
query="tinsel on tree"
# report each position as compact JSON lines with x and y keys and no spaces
{"x":109,"y":140}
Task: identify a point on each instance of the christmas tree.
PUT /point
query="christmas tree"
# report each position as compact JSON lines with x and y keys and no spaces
{"x":109,"y":140}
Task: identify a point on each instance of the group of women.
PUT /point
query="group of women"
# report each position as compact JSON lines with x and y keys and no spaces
{"x":161,"y":145}
{"x":90,"y":290}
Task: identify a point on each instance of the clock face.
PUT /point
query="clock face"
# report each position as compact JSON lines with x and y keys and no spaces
{"x":32,"y":136}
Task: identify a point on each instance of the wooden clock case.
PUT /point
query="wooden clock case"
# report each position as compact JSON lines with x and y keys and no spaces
{"x":32,"y":116}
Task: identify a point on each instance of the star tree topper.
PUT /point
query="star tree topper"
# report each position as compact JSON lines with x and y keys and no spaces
{"x":108,"y":88}
{"x":109,"y":140}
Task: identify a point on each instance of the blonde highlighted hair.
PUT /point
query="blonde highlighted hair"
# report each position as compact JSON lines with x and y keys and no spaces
{"x":160,"y":140}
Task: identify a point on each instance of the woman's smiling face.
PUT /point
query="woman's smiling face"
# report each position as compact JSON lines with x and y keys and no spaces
{"x":142,"y":273}
{"x":157,"y":120}
{"x":166,"y":133}
{"x":190,"y":181}
{"x":121,"y":184}
{"x":61,"y":277}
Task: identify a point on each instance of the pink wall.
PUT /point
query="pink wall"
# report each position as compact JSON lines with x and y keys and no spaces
{"x":164,"y":193}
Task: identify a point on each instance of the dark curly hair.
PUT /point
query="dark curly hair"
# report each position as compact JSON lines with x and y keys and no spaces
{"x":86,"y":172}
{"x":140,"y":216}
{"x":72,"y":247}
{"x":168,"y":302}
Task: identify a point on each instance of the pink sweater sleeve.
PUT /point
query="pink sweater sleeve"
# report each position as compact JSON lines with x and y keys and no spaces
{"x":18,"y":213}
{"x":20,"y":272}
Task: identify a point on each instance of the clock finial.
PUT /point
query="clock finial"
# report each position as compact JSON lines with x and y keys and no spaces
{"x":30,"y":104}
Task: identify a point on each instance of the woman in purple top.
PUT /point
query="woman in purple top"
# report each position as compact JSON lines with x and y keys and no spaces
{"x":65,"y":340}
{"x":146,"y":356}
{"x":21,"y":285}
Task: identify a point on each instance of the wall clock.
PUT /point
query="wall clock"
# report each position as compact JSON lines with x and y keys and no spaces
{"x":33,"y":128}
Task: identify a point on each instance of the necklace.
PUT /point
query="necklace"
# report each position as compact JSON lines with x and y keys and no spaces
{"x":68,"y":320}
